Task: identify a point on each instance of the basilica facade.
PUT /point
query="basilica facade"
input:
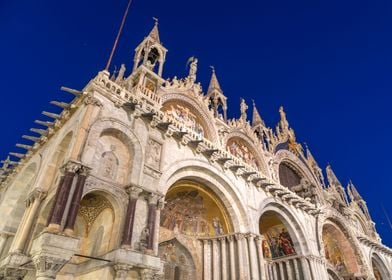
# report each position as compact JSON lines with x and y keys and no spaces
{"x":141,"y":177}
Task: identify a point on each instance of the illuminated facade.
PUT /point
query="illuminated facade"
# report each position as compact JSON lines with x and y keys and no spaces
{"x":145,"y":178}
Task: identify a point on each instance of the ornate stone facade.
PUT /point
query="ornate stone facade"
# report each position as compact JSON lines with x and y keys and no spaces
{"x":145,"y":178}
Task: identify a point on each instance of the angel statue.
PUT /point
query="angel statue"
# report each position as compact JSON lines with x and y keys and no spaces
{"x":192,"y":62}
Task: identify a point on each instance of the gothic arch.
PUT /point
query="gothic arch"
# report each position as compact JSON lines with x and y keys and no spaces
{"x":254,"y":148}
{"x":123,"y":133}
{"x":290,"y":221}
{"x":197,"y":107}
{"x":204,"y":173}
{"x":284,"y":156}
{"x":378,"y":264}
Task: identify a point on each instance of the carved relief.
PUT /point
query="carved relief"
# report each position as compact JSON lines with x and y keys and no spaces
{"x":238,"y":149}
{"x":109,"y":164}
{"x":154,"y":151}
{"x":183,"y":114}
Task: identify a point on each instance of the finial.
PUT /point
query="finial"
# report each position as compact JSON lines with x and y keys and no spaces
{"x":212,"y":68}
{"x":156,"y":21}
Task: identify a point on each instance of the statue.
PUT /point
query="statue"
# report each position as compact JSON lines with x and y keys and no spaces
{"x":144,"y":239}
{"x":121,"y":72}
{"x":283,"y":120}
{"x":192,"y":61}
{"x":243,"y":108}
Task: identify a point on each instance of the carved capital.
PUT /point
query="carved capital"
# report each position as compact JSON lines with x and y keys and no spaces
{"x":149,"y":274}
{"x":153,"y":198}
{"x":134,"y":191}
{"x":91,"y":100}
{"x":71,"y":167}
{"x":36,"y":194}
{"x":239,"y":236}
{"x":12,"y":273}
{"x":121,"y":271}
{"x":48,"y":266}
{"x":161,"y":203}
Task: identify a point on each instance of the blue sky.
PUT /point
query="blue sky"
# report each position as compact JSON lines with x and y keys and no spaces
{"x":327,"y":62}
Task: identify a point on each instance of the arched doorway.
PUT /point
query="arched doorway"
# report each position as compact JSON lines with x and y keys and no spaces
{"x":178,"y":262}
{"x":379,"y":269}
{"x":277,"y":241}
{"x":94,"y":225}
{"x":281,"y":249}
{"x":339,"y":252}
{"x":192,"y":211}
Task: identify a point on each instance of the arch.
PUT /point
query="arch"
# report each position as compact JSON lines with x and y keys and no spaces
{"x":196,"y":107}
{"x":284,"y":156}
{"x":96,"y":224}
{"x":178,"y":262}
{"x":132,"y":171}
{"x":339,"y":250}
{"x":241,"y":145}
{"x":332,"y":275}
{"x":379,"y":268}
{"x":13,"y":203}
{"x":193,"y":209}
{"x":290,"y":222}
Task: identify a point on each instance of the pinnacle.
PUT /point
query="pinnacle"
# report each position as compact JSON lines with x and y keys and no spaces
{"x":154,"y":33}
{"x":256,"y":118}
{"x":214,"y":84}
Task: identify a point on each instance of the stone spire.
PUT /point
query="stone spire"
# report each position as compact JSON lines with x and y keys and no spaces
{"x":332,"y":179}
{"x":154,"y":33}
{"x":214,"y":84}
{"x":217,"y":100}
{"x":353,"y":192}
{"x":256,"y":118}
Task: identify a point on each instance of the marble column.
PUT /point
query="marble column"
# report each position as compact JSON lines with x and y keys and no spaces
{"x":275,"y":271}
{"x":62,"y":195}
{"x":260,"y":257}
{"x":133,"y":193}
{"x":253,"y":257}
{"x":215,"y":260}
{"x":289,"y":269}
{"x":161,"y":205}
{"x":240,"y":253}
{"x":223,"y":258}
{"x":3,"y":241}
{"x":305,"y":268}
{"x":296,"y":269}
{"x":232,"y":257}
{"x":206,"y":260}
{"x":75,"y":202}
{"x":281,"y":270}
{"x":152,"y":215}
{"x":34,"y":201}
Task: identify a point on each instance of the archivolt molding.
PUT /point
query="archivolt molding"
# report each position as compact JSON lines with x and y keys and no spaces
{"x":289,"y":219}
{"x":332,"y":218}
{"x":296,"y":163}
{"x":132,"y":141}
{"x":199,"y":107}
{"x":219,"y":184}
{"x":255,"y":147}
{"x":382,"y":264}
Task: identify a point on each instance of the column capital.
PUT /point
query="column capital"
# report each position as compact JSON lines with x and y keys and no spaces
{"x":206,"y":241}
{"x":149,"y":274}
{"x":12,"y":273}
{"x":222,"y":238}
{"x":134,"y":191}
{"x":121,"y":270}
{"x":153,"y":198}
{"x":161,"y":203}
{"x":48,"y":266}
{"x":239,"y":236}
{"x":36,"y":194}
{"x":71,"y":166}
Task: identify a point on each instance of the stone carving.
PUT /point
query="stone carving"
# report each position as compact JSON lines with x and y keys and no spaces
{"x":243,"y":108}
{"x":109,"y":164}
{"x":236,"y":148}
{"x":154,"y":151}
{"x":144,"y":239}
{"x":183,"y":115}
{"x":192,"y":61}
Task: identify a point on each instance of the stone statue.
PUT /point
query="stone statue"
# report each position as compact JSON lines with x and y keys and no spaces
{"x":144,"y":239}
{"x":121,"y":72}
{"x":192,"y":61}
{"x":243,"y":108}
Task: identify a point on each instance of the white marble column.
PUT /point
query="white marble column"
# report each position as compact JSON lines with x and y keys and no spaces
{"x":223,"y":258}
{"x":23,"y":232}
{"x":3,"y":241}
{"x":262,"y":272}
{"x":240,"y":253}
{"x":161,"y":204}
{"x":296,"y":268}
{"x":254,"y":273}
{"x":215,"y":260}
{"x":232,"y":258}
{"x":275,"y":271}
{"x":206,"y":260}
{"x":289,"y":269}
{"x":305,"y":268}
{"x":281,"y":270}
